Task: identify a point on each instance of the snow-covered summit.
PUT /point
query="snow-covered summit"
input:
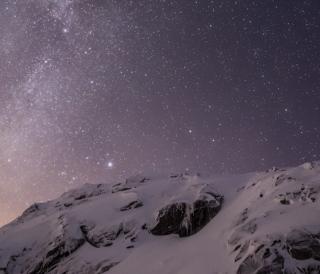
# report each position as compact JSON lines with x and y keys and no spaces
{"x":265,"y":222}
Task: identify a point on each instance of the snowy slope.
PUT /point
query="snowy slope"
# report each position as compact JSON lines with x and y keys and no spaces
{"x":266,"y":222}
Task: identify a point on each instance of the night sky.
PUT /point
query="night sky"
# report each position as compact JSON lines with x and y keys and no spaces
{"x":98,"y":90}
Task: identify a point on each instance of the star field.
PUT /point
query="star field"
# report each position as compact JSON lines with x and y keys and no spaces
{"x":96,"y":91}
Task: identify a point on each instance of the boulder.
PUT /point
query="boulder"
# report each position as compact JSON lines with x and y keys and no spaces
{"x":187,"y":219}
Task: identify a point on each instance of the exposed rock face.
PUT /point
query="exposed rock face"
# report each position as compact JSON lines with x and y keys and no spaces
{"x":268,"y":223}
{"x":58,"y":246}
{"x":302,"y":245}
{"x":102,"y":238}
{"x":107,"y":236}
{"x":75,"y":223}
{"x":278,"y":255}
{"x":186,"y":219}
{"x":130,"y":183}
{"x":263,"y":261}
{"x":170,"y":219}
{"x":132,"y":205}
{"x":59,"y":250}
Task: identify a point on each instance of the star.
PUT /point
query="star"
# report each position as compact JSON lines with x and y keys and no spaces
{"x":102,"y":90}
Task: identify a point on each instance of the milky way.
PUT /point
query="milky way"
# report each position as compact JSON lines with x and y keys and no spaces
{"x":96,"y":91}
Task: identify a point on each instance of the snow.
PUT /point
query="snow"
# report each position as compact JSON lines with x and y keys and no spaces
{"x":255,"y":211}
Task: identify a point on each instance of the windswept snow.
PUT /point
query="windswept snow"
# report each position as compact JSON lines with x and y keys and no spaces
{"x":269,"y":223}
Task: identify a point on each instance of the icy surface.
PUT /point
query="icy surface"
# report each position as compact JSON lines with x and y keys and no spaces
{"x":269,"y":221}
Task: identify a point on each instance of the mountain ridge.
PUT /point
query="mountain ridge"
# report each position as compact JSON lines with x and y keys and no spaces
{"x":264,"y":222}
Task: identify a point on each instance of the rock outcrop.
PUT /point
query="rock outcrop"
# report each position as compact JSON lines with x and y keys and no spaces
{"x":284,"y":254}
{"x":257,"y":223}
{"x":187,"y":219}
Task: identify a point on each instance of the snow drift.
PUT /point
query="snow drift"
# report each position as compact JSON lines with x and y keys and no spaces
{"x":265,"y":222}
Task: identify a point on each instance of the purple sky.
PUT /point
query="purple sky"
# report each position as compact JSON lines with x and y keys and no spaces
{"x":96,"y":91}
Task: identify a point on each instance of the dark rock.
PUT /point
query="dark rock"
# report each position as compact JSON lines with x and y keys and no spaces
{"x":107,"y":267}
{"x":136,"y":179}
{"x":240,"y":189}
{"x":169,"y":219}
{"x":303,"y":245}
{"x":236,"y":248}
{"x":101,"y":238}
{"x":80,"y":197}
{"x":143,"y":180}
{"x":301,"y":253}
{"x":243,"y":250}
{"x":59,"y":245}
{"x":132,"y":205}
{"x":120,"y":188}
{"x":249,"y":227}
{"x":258,"y":263}
{"x":130,"y":183}
{"x":243,"y":217}
{"x":310,"y":269}
{"x":203,"y":212}
{"x":271,"y":269}
{"x":175,"y":176}
{"x":67,"y":204}
{"x":282,"y":179}
{"x":259,"y":248}
{"x":276,"y":242}
{"x":273,"y":257}
{"x":184,"y":219}
{"x":34,"y":210}
{"x":266,"y":253}
{"x":303,"y":195}
{"x":59,"y":251}
{"x":284,"y":201}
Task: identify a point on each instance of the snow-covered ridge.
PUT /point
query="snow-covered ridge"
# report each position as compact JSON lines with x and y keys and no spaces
{"x":266,"y":222}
